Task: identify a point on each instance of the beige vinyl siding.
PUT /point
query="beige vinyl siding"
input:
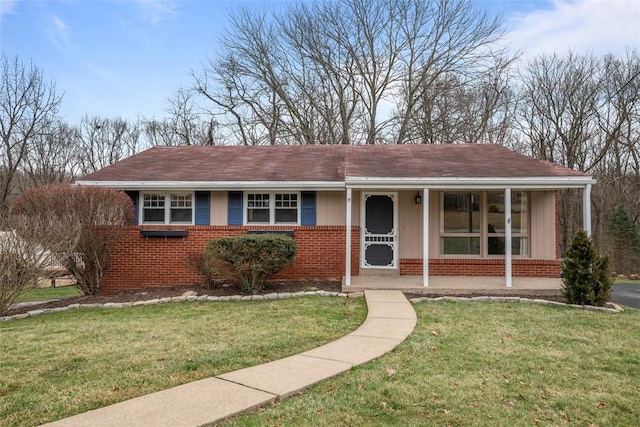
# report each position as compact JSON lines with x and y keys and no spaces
{"x":410,"y":216}
{"x":331,"y":208}
{"x":219,"y":211}
{"x":410,"y":224}
{"x":543,"y":225}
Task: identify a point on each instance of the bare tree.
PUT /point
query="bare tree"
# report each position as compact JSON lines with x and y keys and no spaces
{"x":28,"y":104}
{"x":345,"y":71}
{"x":51,"y":159}
{"x":29,"y":251}
{"x":453,"y":110}
{"x":95,"y":216}
{"x":186,"y":124}
{"x":582,"y":112}
{"x":104,"y":141}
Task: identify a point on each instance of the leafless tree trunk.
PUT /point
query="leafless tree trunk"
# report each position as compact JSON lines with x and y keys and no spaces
{"x":29,"y":251}
{"x":184,"y":126}
{"x":583,"y":112}
{"x":51,"y":159}
{"x":345,"y":72}
{"x":27,"y":105}
{"x":104,"y":141}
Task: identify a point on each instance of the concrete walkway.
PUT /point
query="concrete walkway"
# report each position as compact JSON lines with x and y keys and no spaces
{"x":390,"y":320}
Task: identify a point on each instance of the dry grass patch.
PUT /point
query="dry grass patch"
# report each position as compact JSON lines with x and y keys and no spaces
{"x":57,"y":365}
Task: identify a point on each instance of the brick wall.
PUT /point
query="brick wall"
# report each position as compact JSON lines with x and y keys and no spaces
{"x":482,"y":267}
{"x":140,"y":262}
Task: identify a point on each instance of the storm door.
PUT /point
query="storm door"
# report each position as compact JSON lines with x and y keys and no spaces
{"x":379,"y":233}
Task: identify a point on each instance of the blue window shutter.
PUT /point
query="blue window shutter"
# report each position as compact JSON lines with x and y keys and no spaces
{"x":308,"y":212}
{"x":234,"y":211}
{"x":202,"y":208}
{"x":134,"y":196}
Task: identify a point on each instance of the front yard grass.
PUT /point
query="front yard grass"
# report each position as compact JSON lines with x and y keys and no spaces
{"x":626,"y":282}
{"x":61,"y":364}
{"x":485,"y":364}
{"x":43,"y":294}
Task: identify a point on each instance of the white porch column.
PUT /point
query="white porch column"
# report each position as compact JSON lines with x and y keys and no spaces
{"x":586,"y":209}
{"x":507,"y":237}
{"x":347,"y":268}
{"x":425,"y":237}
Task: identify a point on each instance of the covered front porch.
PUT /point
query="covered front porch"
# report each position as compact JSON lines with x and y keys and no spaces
{"x":457,"y":285}
{"x":491,"y":236}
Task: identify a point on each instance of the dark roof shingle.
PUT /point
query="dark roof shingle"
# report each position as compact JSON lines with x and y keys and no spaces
{"x":329,"y":163}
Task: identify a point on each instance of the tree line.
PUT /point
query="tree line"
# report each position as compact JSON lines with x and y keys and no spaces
{"x":364,"y":72}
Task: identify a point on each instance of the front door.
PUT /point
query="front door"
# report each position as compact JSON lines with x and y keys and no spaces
{"x":379,"y":230}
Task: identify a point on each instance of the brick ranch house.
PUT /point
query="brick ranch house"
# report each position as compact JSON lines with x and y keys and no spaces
{"x":356,"y":212}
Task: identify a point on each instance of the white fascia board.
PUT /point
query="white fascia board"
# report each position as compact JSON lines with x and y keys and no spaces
{"x":218,"y":185}
{"x":471,"y":183}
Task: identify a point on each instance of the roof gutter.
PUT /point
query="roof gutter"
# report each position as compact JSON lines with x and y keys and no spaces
{"x":540,"y":183}
{"x":471,"y":183}
{"x":217,"y":185}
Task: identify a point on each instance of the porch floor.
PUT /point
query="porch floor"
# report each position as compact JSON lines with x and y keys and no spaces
{"x":457,"y":285}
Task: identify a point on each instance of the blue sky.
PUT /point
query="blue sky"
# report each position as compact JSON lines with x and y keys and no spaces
{"x":123,"y":58}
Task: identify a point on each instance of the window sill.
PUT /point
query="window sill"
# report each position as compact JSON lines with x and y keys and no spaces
{"x":290,"y":233}
{"x":164,"y":233}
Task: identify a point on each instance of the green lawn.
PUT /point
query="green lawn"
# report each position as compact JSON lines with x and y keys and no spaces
{"x":60,"y":364}
{"x":486,"y":364}
{"x":627,"y":282}
{"x":42,"y":294}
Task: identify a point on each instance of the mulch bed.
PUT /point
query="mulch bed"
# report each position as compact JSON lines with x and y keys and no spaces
{"x":273,"y":286}
{"x":166,"y":292}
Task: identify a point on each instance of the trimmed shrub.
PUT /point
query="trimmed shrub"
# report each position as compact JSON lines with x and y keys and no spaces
{"x":197,"y":263}
{"x":249,"y":258}
{"x":586,"y":278}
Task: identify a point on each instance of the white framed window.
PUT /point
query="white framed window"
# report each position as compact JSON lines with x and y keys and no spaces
{"x":472,"y":224}
{"x":153,"y":208}
{"x":272,"y":208}
{"x":167,"y":208}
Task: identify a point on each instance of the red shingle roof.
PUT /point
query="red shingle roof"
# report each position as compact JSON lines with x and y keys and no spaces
{"x":326,"y":163}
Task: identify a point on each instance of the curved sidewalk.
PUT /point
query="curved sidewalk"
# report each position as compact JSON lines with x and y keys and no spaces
{"x":390,"y":320}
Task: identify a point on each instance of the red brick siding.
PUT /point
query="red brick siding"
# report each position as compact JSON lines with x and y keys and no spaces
{"x":140,"y":262}
{"x":481,"y":267}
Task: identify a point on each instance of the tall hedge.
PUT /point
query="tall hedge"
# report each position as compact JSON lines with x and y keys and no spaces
{"x":585,"y":273}
{"x":249,"y":258}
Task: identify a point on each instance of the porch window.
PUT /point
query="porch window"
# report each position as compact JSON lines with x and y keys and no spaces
{"x":167,"y":208}
{"x":460,"y":224}
{"x":472,"y":223}
{"x":272,"y":208}
{"x":519,"y":223}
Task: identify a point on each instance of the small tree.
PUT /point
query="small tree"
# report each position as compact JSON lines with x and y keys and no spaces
{"x":249,"y":258}
{"x":585,"y":273}
{"x":98,"y":213}
{"x":28,"y":252}
{"x":625,"y":242}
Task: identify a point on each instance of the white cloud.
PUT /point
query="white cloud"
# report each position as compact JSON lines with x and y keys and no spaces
{"x":59,"y":32}
{"x":156,"y":11}
{"x":594,"y":26}
{"x":7,"y":7}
